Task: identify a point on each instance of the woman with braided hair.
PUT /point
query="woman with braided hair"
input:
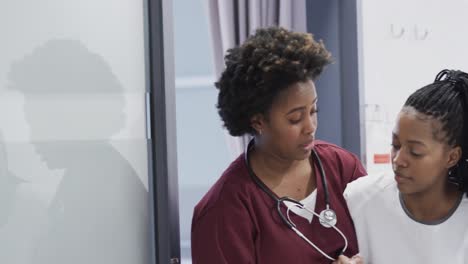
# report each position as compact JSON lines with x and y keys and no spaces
{"x":282,"y":200}
{"x":419,"y":213}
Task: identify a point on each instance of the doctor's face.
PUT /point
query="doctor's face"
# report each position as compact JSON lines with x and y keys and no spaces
{"x":289,"y":129}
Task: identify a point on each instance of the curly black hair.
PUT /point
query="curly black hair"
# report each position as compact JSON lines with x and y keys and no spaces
{"x":258,"y":70}
{"x":446,"y":100}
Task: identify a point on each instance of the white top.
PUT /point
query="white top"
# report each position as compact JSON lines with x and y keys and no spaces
{"x":308,"y":202}
{"x":387,"y":234}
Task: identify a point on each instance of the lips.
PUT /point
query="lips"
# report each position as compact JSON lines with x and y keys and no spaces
{"x":401,"y":178}
{"x":308,"y":145}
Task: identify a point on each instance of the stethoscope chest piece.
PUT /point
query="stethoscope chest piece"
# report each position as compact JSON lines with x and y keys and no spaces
{"x":328,"y":218}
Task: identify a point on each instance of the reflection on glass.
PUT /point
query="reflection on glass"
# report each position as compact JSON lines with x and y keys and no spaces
{"x":97,"y":212}
{"x":8,"y":185}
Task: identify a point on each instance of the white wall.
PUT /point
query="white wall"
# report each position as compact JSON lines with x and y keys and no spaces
{"x":404,"y":45}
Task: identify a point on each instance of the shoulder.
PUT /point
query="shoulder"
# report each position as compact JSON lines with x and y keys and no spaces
{"x":340,"y":162}
{"x":464,"y":203}
{"x":330,"y":148}
{"x":378,"y":181}
{"x":368,"y":188}
{"x":335,"y":153}
{"x":231,"y":190}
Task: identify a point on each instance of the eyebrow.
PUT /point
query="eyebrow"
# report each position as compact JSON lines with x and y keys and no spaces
{"x":300,"y":107}
{"x":410,"y":141}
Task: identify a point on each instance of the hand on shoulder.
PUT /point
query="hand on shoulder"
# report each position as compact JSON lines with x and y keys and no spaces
{"x":342,"y":259}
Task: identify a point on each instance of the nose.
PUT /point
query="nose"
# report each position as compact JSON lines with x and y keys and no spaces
{"x":310,"y":125}
{"x":398,"y":159}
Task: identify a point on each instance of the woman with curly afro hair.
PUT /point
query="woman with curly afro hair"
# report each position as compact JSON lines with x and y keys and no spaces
{"x":266,"y":206}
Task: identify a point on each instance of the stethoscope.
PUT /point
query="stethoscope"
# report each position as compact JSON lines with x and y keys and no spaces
{"x":327,"y":217}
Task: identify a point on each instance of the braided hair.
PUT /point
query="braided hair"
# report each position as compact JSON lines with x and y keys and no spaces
{"x":446,"y":100}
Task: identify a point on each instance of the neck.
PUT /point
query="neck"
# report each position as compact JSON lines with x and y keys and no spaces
{"x":271,"y":163}
{"x":285,"y":177}
{"x":434,"y":204}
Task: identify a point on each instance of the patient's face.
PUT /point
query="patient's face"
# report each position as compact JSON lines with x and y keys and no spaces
{"x":419,"y":156}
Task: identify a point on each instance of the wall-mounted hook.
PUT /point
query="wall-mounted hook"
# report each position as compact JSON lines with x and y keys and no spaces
{"x":396,"y":34}
{"x":420,"y":36}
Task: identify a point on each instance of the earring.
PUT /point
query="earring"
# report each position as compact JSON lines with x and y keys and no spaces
{"x":260,"y":132}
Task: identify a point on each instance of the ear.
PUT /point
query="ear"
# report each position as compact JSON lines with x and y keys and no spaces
{"x":257,"y":122}
{"x":454,"y":156}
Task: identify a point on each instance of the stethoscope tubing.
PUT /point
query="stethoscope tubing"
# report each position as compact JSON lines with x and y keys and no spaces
{"x":279,"y":201}
{"x":274,"y":196}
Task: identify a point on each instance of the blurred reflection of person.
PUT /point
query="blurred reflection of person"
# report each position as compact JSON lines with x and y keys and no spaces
{"x":73,"y":105}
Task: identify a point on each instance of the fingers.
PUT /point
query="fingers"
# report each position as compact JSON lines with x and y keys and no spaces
{"x":342,"y":259}
{"x":357,"y":260}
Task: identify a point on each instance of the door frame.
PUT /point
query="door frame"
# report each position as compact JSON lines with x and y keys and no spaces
{"x":161,"y":134}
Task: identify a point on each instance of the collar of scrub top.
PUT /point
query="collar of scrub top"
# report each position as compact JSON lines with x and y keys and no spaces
{"x":327,"y":217}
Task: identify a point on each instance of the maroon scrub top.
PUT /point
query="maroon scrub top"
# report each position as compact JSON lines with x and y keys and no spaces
{"x":236,"y":222}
